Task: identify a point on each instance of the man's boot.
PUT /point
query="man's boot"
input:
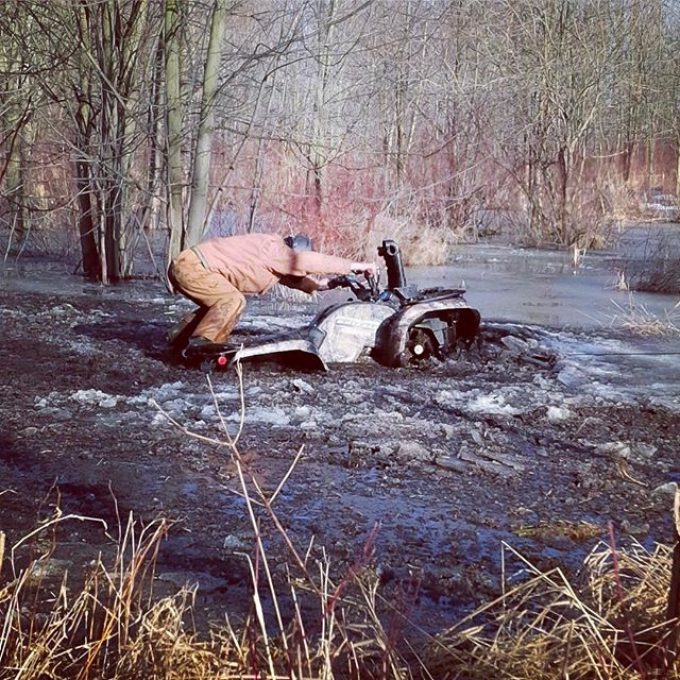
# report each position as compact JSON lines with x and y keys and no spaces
{"x":178,"y":334}
{"x":199,"y":347}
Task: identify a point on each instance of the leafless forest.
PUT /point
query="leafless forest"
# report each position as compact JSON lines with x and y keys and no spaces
{"x":432,"y":120}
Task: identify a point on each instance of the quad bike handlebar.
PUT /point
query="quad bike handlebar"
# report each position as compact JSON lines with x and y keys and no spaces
{"x":396,"y":277}
{"x":366,"y":289}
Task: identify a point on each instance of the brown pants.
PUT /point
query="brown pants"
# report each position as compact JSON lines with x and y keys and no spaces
{"x":221,"y":303}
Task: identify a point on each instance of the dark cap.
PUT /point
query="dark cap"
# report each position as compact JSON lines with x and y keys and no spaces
{"x":299,"y":242}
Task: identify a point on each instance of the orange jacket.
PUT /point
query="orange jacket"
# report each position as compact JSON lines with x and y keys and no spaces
{"x":253,"y":263}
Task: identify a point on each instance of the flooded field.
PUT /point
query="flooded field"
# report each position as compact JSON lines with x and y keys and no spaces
{"x":546,"y":287}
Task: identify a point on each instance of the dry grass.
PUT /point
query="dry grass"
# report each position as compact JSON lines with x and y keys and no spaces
{"x":613,"y":628}
{"x":621,"y":281}
{"x":51,"y":631}
{"x":652,"y":263}
{"x":112,"y":626}
{"x":637,"y":319}
{"x":420,"y":244}
{"x":574,"y":531}
{"x":544,"y":628}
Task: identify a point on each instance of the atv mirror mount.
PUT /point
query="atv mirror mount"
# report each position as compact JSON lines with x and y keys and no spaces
{"x":372,"y":282}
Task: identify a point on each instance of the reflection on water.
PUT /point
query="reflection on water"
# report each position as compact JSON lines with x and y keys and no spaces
{"x":50,"y":278}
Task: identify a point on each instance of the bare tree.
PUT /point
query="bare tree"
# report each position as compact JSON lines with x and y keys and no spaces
{"x":104,"y":49}
{"x":204,"y":139}
{"x":554,"y":72}
{"x":331,"y":111}
{"x":17,"y":108}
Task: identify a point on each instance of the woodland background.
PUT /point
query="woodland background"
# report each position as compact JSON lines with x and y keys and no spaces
{"x":425,"y":120}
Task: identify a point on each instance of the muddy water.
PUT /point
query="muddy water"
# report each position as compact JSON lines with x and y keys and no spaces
{"x":547,"y":289}
{"x":542,"y":288}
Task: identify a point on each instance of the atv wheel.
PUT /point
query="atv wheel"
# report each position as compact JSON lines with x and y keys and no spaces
{"x":420,"y":347}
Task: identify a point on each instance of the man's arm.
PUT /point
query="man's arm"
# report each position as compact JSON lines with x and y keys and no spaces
{"x":304,"y":283}
{"x":285,"y":261}
{"x":318,"y":263}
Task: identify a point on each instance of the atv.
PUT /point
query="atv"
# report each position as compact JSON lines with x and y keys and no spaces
{"x":397,"y":326}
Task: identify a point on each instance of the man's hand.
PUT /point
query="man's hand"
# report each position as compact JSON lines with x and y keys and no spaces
{"x":364,"y":268}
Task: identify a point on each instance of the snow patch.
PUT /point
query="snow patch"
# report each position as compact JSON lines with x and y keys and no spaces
{"x":672,"y":404}
{"x":82,"y":347}
{"x":159,"y":420}
{"x":571,"y":376}
{"x":95,"y":398}
{"x":556,"y":414}
{"x":493,"y":404}
{"x":264,"y":415}
{"x":497,"y":402}
{"x":159,"y":394}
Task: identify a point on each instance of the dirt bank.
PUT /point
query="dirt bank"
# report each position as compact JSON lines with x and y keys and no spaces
{"x":500,"y":444}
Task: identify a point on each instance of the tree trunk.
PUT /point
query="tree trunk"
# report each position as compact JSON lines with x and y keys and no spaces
{"x":201,"y":170}
{"x":14,"y":189}
{"x":175,"y":210}
{"x":677,"y":168}
{"x":86,"y":223}
{"x":318,"y":151}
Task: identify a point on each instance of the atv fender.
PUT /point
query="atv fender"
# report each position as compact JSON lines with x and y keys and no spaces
{"x":348,"y":330}
{"x":394,"y":334}
{"x":299,"y":353}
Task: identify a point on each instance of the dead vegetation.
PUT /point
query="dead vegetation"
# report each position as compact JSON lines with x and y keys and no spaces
{"x":421,"y":244}
{"x":652,"y":264}
{"x":620,"y":621}
{"x":542,"y":628}
{"x":637,"y":319}
{"x":616,"y":625}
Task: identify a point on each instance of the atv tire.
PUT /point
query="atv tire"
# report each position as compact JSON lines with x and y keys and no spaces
{"x":421,"y":347}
